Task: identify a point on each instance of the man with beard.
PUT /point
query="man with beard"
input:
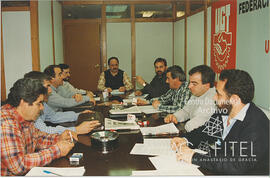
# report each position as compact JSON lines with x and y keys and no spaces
{"x":158,"y":85}
{"x":67,"y":90}
{"x":176,"y":97}
{"x":236,"y":137}
{"x":114,"y":78}
{"x":22,"y":145}
{"x":49,"y":115}
{"x":201,"y":104}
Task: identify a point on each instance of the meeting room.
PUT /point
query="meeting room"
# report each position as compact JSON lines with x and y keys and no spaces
{"x":135,"y":88}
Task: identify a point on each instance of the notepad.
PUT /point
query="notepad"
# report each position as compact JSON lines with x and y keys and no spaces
{"x":56,"y":171}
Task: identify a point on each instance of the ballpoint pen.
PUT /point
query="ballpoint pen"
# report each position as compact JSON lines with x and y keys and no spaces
{"x":49,"y":172}
{"x":176,"y":148}
{"x":71,"y":138}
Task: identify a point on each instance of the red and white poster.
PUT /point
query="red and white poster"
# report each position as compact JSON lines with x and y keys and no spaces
{"x":223,"y":35}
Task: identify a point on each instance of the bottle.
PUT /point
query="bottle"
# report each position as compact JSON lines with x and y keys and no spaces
{"x":105,"y":95}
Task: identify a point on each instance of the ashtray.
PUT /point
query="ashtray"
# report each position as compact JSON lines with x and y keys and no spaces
{"x":104,"y":141}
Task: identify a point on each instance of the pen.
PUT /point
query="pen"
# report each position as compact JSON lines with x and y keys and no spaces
{"x":71,"y":138}
{"x":49,"y":172}
{"x":176,"y":148}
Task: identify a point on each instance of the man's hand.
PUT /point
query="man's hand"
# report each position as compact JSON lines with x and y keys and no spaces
{"x":170,"y":118}
{"x":176,"y":142}
{"x":65,"y":136}
{"x":155,"y":104}
{"x":185,"y":154}
{"x":141,"y":102}
{"x":140,"y":80}
{"x":109,"y":90}
{"x":87,"y":111}
{"x":138,"y":93}
{"x":92,"y":99}
{"x":122,"y":89}
{"x":89,"y":93}
{"x":86,"y":127}
{"x":64,"y":146}
{"x":77,"y":97}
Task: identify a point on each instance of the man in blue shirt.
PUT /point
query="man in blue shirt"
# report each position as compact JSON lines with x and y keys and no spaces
{"x":50,"y":115}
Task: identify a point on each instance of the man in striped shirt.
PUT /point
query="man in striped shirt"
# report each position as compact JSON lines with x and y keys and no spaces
{"x":22,"y":145}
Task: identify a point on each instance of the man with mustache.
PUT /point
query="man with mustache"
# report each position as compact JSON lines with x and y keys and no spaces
{"x":114,"y":78}
{"x":67,"y":90}
{"x":236,"y":137}
{"x":22,"y":145}
{"x":158,"y":85}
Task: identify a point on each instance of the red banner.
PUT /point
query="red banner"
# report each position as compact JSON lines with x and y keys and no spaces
{"x":223,"y":35}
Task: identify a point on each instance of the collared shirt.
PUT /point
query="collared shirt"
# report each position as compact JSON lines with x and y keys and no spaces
{"x":157,"y":86}
{"x":198,"y":110}
{"x":240,"y":116}
{"x":126,"y":81}
{"x":50,"y":115}
{"x":22,"y":145}
{"x":174,"y":99}
{"x":57,"y":102}
{"x":67,"y":90}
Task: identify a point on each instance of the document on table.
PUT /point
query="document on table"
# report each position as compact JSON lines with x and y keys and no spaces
{"x":131,"y":110}
{"x":55,"y":171}
{"x":117,"y":125}
{"x":178,"y":172}
{"x":149,"y":109}
{"x":97,"y":98}
{"x":162,"y":129}
{"x":153,"y":147}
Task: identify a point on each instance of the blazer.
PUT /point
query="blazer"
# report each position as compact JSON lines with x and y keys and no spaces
{"x":244,"y":151}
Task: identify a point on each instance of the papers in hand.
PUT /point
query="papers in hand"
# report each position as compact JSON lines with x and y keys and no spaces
{"x":117,"y":92}
{"x":54,"y":171}
{"x":117,"y":125}
{"x":162,"y":129}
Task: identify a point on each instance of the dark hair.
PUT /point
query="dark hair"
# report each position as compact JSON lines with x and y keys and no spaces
{"x":63,"y":66}
{"x":37,"y":75}
{"x":50,"y":70}
{"x":208,"y":75}
{"x":177,"y":72}
{"x":27,"y":89}
{"x":161,"y":60}
{"x":109,"y":60}
{"x":240,"y":83}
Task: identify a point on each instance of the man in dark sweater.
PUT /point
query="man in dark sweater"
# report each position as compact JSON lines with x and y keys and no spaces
{"x":114,"y":78}
{"x":236,"y":137}
{"x":158,"y":85}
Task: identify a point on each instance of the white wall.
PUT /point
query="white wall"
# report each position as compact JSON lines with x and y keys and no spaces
{"x":119,"y":44}
{"x":58,"y":37}
{"x":195,"y":40}
{"x":153,"y":40}
{"x":16,"y":45}
{"x":45,"y":34}
{"x":179,"y":43}
{"x":253,"y":28}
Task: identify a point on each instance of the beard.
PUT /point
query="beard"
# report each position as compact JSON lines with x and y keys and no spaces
{"x":225,"y":108}
{"x":159,"y":73}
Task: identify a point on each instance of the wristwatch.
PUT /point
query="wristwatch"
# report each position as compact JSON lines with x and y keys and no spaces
{"x":144,"y":84}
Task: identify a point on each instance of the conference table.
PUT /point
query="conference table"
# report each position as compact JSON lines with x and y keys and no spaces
{"x":118,"y":162}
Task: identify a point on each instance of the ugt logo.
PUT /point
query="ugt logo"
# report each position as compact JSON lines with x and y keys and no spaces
{"x":222,"y":39}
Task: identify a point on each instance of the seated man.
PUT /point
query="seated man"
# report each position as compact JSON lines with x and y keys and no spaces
{"x":22,"y":145}
{"x":58,"y":117}
{"x":56,"y":101}
{"x":176,"y":97}
{"x":237,"y":137}
{"x":67,"y":90}
{"x":114,"y":78}
{"x":201,"y":104}
{"x":158,"y":85}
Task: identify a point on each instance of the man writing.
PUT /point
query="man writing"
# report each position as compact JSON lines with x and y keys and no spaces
{"x":114,"y":78}
{"x":237,"y":137}
{"x":158,"y":85}
{"x":22,"y":145}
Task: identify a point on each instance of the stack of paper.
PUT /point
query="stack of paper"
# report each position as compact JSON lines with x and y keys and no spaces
{"x":149,"y":109}
{"x":54,"y":171}
{"x":117,"y":92}
{"x":117,"y":125}
{"x":162,"y":129}
{"x":131,"y":110}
